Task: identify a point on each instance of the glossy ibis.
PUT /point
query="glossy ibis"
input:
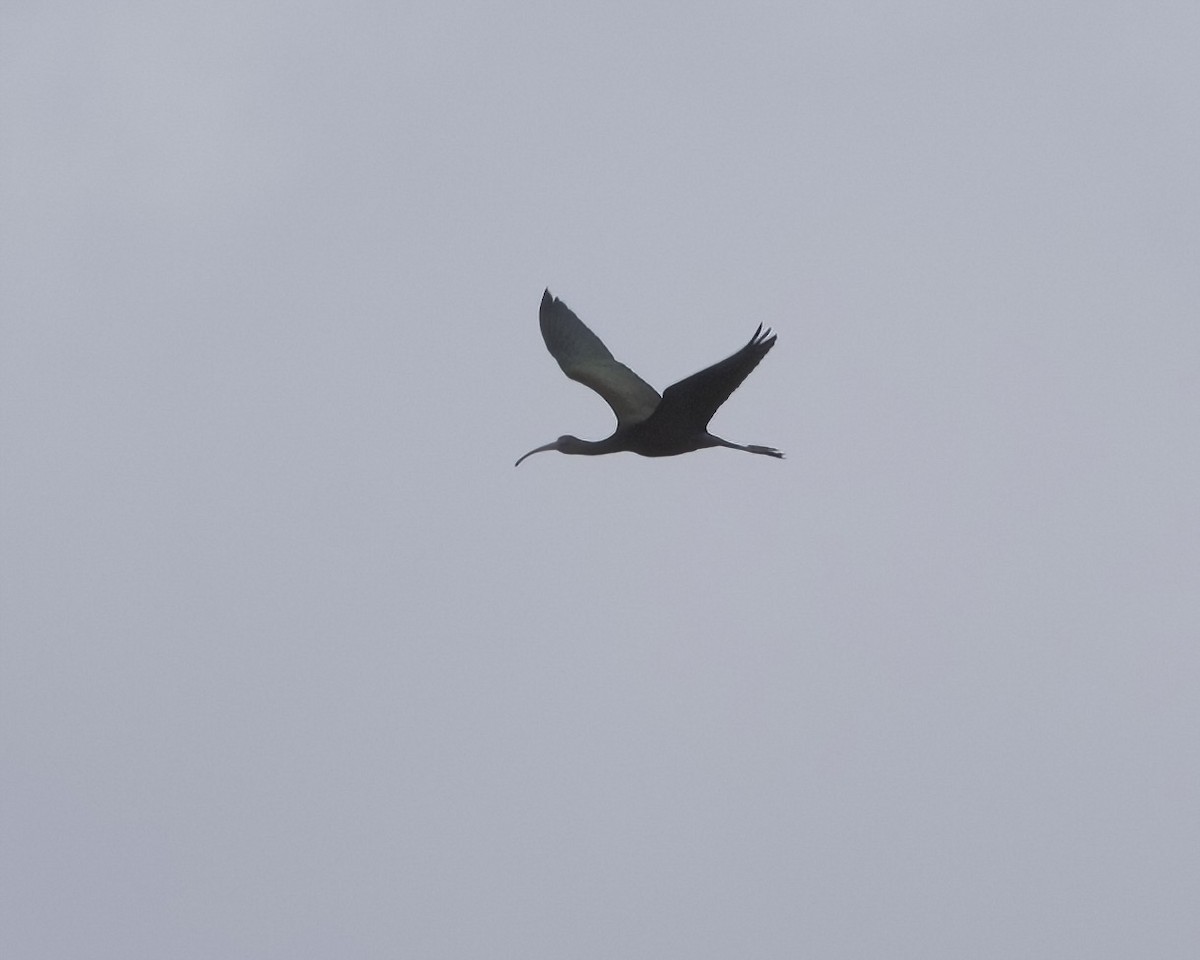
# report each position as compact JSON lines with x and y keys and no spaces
{"x":647,"y":424}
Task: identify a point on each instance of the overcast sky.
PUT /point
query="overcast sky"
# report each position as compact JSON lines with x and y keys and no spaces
{"x":294,"y":662}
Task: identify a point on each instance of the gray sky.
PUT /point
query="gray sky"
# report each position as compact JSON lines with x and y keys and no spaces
{"x":296,"y":664}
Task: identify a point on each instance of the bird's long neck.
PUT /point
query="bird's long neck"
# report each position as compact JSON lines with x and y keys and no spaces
{"x":587,"y":448}
{"x":569,"y":444}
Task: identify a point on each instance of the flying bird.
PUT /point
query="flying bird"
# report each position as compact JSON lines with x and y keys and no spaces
{"x":647,"y":424}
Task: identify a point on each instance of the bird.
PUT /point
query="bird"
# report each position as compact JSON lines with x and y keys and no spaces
{"x":647,"y":424}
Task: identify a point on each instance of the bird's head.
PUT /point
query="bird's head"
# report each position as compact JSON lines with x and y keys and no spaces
{"x":564,"y":444}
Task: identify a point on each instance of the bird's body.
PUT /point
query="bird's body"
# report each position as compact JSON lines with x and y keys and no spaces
{"x":647,"y":424}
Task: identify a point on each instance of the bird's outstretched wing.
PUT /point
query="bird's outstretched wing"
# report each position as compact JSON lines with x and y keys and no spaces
{"x":585,"y":359}
{"x":694,"y":400}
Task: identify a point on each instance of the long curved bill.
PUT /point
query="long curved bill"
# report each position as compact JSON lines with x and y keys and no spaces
{"x":553,"y":445}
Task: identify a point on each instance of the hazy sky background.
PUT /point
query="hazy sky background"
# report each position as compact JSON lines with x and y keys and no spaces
{"x":294,"y":662}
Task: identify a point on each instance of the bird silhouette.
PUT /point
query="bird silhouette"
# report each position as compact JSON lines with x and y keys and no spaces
{"x":647,"y":424}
